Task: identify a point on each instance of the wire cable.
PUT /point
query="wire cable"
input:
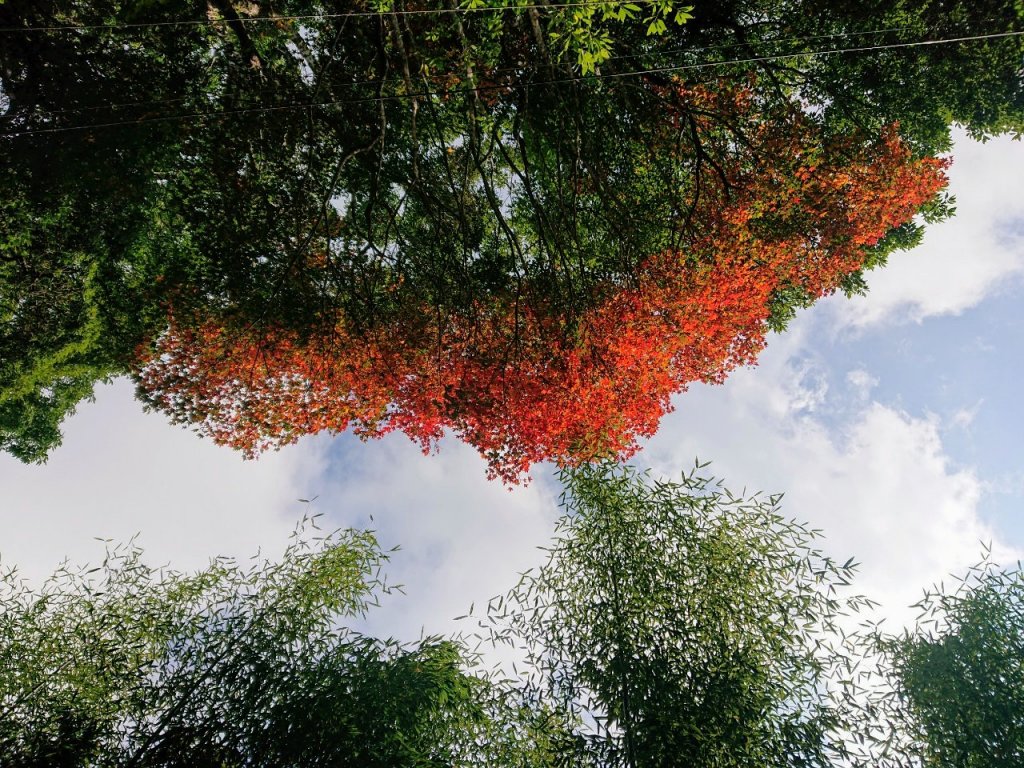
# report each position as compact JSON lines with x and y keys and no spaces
{"x":309,"y":17}
{"x":477,"y":89}
{"x":503,"y":70}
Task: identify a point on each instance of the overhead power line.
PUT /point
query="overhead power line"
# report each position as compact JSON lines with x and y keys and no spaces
{"x":308,"y":17}
{"x":503,"y":70}
{"x":429,"y":93}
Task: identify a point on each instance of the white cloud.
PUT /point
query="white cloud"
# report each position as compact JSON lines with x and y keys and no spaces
{"x":964,"y":417}
{"x":122,"y":472}
{"x":862,"y":382}
{"x":463,"y":539}
{"x":963,"y":260}
{"x":880,"y":486}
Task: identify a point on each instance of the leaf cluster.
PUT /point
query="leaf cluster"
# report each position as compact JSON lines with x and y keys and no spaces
{"x":231,"y":666}
{"x":684,"y":625}
{"x":956,"y":679}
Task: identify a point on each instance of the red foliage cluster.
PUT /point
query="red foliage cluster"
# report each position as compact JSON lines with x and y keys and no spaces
{"x":798,"y":211}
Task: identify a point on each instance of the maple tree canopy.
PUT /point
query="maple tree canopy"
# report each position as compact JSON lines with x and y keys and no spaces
{"x":520,"y":382}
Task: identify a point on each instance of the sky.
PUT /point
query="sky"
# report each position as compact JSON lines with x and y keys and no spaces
{"x":891,"y":422}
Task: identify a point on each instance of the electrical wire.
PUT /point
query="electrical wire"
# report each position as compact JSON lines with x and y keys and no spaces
{"x":477,"y":89}
{"x":503,"y":70}
{"x":309,"y":17}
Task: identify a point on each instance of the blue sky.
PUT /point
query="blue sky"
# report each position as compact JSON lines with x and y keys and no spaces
{"x":892,"y":422}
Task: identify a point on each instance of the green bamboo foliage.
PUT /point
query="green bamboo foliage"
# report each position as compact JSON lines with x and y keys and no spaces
{"x":684,"y":625}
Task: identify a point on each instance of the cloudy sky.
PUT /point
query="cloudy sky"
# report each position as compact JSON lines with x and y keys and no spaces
{"x":893,"y":422}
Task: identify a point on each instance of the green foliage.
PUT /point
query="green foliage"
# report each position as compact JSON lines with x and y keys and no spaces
{"x":686,"y":626}
{"x":977,"y":84}
{"x":958,"y":676}
{"x":584,"y":31}
{"x":232,"y":666}
{"x":74,"y":298}
{"x":51,"y":334}
{"x":674,"y":623}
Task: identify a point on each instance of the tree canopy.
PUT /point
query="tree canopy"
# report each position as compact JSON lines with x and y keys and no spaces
{"x":958,"y":677}
{"x":672,"y":623}
{"x":439,"y":211}
{"x":124,"y":665}
{"x":688,"y":626}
